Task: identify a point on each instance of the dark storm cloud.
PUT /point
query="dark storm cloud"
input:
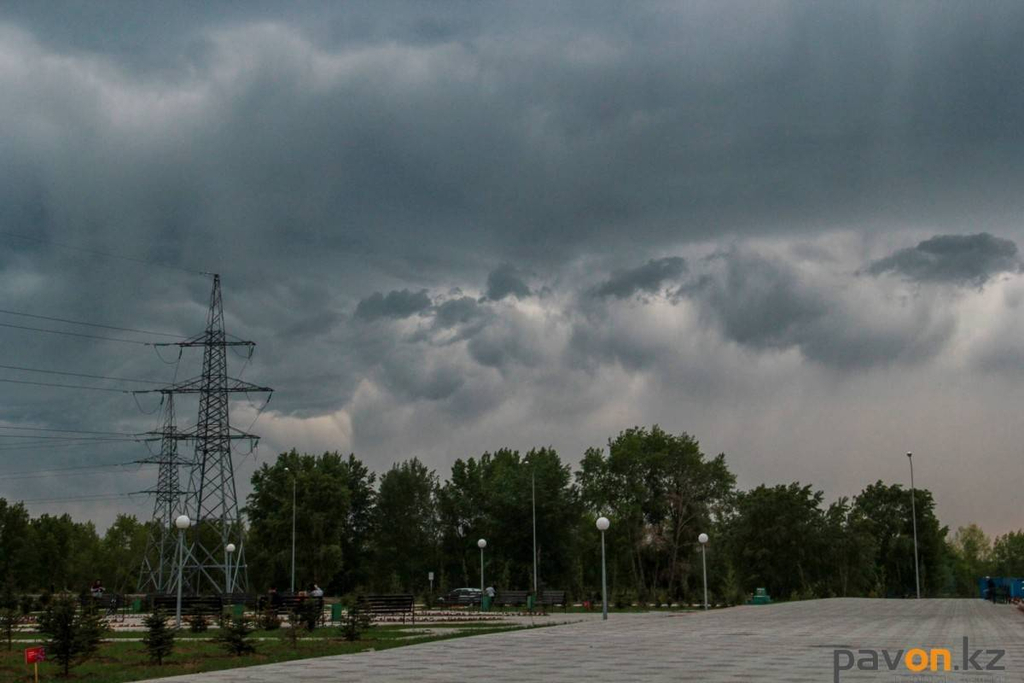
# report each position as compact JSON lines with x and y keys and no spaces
{"x":506,"y":280}
{"x":766,"y":303}
{"x":395,"y":304}
{"x":961,"y":259}
{"x":314,"y":153}
{"x":646,"y":278}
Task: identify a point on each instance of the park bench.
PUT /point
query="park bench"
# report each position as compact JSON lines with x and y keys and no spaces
{"x":207,"y":605}
{"x":552,"y":598}
{"x":287,"y":604}
{"x":393,"y":604}
{"x":107,"y":604}
{"x":511,"y":598}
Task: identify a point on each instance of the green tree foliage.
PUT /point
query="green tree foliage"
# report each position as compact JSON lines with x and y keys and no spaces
{"x":159,"y":638}
{"x":355,"y":621}
{"x":1008,"y":555}
{"x":883,"y":513}
{"x":73,"y":634}
{"x":197,"y":621}
{"x":333,"y":496}
{"x":972,"y":551}
{"x":405,"y":527}
{"x":662,"y":491}
{"x":235,"y":637}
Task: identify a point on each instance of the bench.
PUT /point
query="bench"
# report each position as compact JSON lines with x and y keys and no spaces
{"x":511,"y":598}
{"x":552,"y":598}
{"x":400,"y":604}
{"x":287,"y":604}
{"x":108,"y":603}
{"x":211,"y":605}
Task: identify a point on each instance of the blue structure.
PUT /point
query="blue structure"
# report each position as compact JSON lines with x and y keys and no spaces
{"x":1015,"y":586}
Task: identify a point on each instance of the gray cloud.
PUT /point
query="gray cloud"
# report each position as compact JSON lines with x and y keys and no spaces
{"x":396,"y":304}
{"x":506,"y":280}
{"x":646,"y":278}
{"x":961,"y":259}
{"x":314,"y":153}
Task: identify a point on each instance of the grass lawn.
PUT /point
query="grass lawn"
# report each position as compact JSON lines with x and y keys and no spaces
{"x":127,"y":661}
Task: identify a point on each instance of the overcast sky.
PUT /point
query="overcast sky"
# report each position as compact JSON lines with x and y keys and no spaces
{"x":789,"y":229}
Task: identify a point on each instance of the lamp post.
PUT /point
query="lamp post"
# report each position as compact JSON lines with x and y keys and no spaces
{"x":230,"y":548}
{"x":182,"y":522}
{"x":293,"y":528}
{"x":602,"y":526}
{"x":533,"y":495}
{"x":703,"y":539}
{"x":481,"y":544}
{"x":913,"y":514}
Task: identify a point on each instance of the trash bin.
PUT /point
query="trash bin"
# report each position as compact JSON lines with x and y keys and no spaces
{"x":485,"y":603}
{"x":136,"y":605}
{"x":238,"y":611}
{"x":529,"y":602}
{"x":336,"y":612}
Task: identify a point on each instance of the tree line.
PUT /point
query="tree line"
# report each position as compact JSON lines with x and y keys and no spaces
{"x":359,"y":531}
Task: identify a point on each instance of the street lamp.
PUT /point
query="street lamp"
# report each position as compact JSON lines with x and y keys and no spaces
{"x":533,"y":498}
{"x":913,"y":514}
{"x":230,"y":548}
{"x":293,"y":527}
{"x":481,"y":544}
{"x":703,"y":539}
{"x":182,"y":522}
{"x":602,"y":526}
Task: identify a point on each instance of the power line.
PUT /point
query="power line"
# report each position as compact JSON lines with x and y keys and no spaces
{"x":46,"y":446}
{"x":41,"y":474}
{"x":68,"y":499}
{"x":80,"y":322}
{"x":66,"y":431}
{"x":95,"y":252}
{"x":65,"y":386}
{"x":64,"y":438}
{"x":76,"y":334}
{"x":79,"y":374}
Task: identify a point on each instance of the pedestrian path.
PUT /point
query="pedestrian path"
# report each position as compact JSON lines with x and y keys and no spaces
{"x":798,"y":641}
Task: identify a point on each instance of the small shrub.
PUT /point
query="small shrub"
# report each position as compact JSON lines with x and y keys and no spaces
{"x":309,"y":614}
{"x":9,"y":620}
{"x":197,"y":622}
{"x":355,"y":621}
{"x":159,"y":639}
{"x":268,"y":619}
{"x":235,"y":637}
{"x":72,"y":634}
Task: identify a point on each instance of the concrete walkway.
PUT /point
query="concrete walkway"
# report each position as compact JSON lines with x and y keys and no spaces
{"x":786,"y":642}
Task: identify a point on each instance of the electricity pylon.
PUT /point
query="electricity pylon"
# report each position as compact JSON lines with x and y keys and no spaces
{"x":157,"y":572}
{"x":211,"y":500}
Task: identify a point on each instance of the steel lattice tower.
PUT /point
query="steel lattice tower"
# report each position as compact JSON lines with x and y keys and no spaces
{"x":211,"y":500}
{"x":157,"y":571}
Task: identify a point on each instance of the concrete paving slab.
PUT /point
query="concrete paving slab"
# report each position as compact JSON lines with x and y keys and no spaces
{"x":798,"y":641}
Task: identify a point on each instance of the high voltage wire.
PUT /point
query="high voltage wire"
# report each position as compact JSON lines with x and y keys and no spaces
{"x":64,"y":438}
{"x":43,"y":445}
{"x":75,"y":467}
{"x":76,"y":334}
{"x":65,"y":386}
{"x":87,"y":324}
{"x":68,"y":499}
{"x":79,"y":374}
{"x":67,"y":431}
{"x":104,"y":254}
{"x":92,"y":471}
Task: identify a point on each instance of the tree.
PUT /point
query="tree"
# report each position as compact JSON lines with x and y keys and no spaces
{"x":197,"y":622}
{"x":323,"y":503}
{"x":1008,"y":555}
{"x":884,"y":513}
{"x":405,"y":527}
{"x":234,"y":636}
{"x":662,"y":491}
{"x":776,"y":539}
{"x":159,"y":639}
{"x":971,"y":550}
{"x":354,"y":621}
{"x":73,"y":634}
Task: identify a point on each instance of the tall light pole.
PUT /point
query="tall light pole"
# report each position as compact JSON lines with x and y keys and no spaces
{"x":182,"y":522}
{"x":913,"y":514}
{"x":602,"y":526}
{"x":533,"y":494}
{"x":481,"y":544}
{"x":293,"y":528}
{"x":703,"y":538}
{"x":230,"y":549}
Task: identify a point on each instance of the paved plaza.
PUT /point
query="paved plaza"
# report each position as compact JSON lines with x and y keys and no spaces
{"x":785,"y":642}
